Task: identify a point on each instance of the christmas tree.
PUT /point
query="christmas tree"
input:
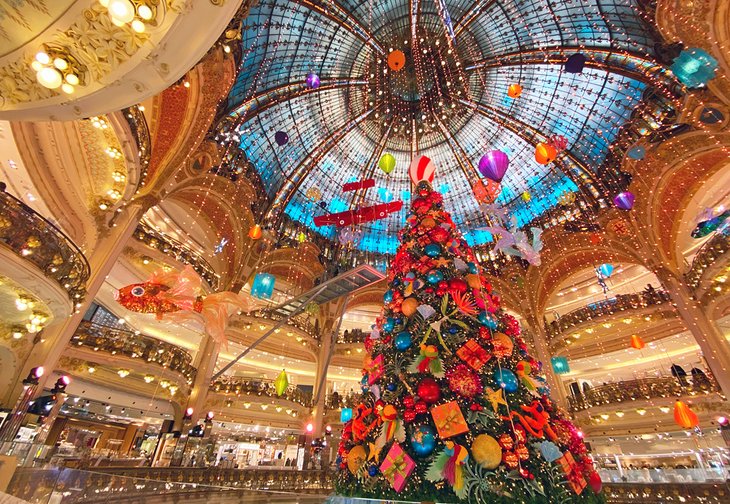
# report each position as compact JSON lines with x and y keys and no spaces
{"x":453,"y":407}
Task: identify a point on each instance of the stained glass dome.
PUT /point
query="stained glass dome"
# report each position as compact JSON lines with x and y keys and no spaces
{"x":449,"y":102}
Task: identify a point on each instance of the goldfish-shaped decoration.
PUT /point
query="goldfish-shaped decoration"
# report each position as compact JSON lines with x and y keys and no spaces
{"x":178,"y":295}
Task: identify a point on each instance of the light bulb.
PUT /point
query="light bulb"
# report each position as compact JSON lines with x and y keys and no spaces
{"x":67,"y":88}
{"x":72,"y":79}
{"x":49,"y":77}
{"x":144,"y":12}
{"x":121,"y":10}
{"x":138,"y":26}
{"x":42,"y":58}
{"x":36,"y":65}
{"x":104,"y":3}
{"x":60,"y":63}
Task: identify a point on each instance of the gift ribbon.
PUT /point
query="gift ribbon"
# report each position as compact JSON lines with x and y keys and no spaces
{"x":398,"y":466}
{"x":475,"y":355}
{"x":446,"y":423}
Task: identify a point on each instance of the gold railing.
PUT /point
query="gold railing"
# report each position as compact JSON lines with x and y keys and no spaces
{"x":300,"y":321}
{"x":636,"y":390}
{"x":138,"y":125}
{"x":352,"y":336}
{"x":714,"y":248}
{"x":235,"y":385}
{"x":35,"y":239}
{"x":136,"y":346}
{"x":336,"y":401}
{"x":617,"y":304}
{"x":179,"y":251}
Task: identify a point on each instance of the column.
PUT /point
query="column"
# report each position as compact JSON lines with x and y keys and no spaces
{"x":204,"y":366}
{"x":101,"y":260}
{"x":713,"y":344}
{"x":20,"y":410}
{"x":557,"y":391}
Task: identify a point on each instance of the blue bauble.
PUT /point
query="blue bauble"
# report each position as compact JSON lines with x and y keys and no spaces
{"x":373,"y":470}
{"x":488,"y":320}
{"x":423,"y":440}
{"x":434,"y":276}
{"x":453,"y":329}
{"x":389,"y":324}
{"x":506,"y":379}
{"x":395,"y":282}
{"x":472,"y":268}
{"x":432,"y":250}
{"x":388,"y":296}
{"x":403,"y":341}
{"x":391,"y":387}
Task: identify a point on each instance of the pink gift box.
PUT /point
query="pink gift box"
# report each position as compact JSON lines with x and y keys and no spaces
{"x":376,"y":369}
{"x":397,"y":467}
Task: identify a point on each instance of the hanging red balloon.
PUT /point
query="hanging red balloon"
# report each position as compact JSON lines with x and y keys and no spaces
{"x":684,"y":416}
{"x":514,"y":91}
{"x":637,"y":342}
{"x":255,"y":232}
{"x":545,"y":153}
{"x":494,"y":164}
{"x":396,"y":60}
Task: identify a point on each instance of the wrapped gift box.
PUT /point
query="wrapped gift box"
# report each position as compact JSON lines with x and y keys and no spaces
{"x":449,"y":420}
{"x":473,"y":354}
{"x":376,"y":369}
{"x":575,"y":479}
{"x":397,"y":467}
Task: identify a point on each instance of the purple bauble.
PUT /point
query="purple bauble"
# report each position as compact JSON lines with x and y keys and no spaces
{"x":494,"y":164}
{"x":624,"y":200}
{"x":312,"y":81}
{"x":281,"y":138}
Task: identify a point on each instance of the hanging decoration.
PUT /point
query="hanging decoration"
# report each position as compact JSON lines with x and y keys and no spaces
{"x":255,"y":232}
{"x":359,"y":216}
{"x":387,"y":163}
{"x":560,"y":365}
{"x":281,"y":383}
{"x":219,"y":247}
{"x":396,"y":60}
{"x":313,"y":194}
{"x":263,"y":285}
{"x":360,"y":184}
{"x":514,"y":91}
{"x":606,"y":270}
{"x":486,"y":191}
{"x":694,"y":67}
{"x":637,"y":342}
{"x":545,"y":153}
{"x":493,"y":165}
{"x":624,"y":200}
{"x":684,"y":416}
{"x":312,"y":81}
{"x":575,"y":63}
{"x":422,"y":168}
{"x":281,"y":138}
{"x":711,"y":224}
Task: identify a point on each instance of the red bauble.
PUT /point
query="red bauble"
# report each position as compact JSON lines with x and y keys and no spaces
{"x":439,"y":234}
{"x":594,"y":480}
{"x":458,"y":285}
{"x":522,"y":452}
{"x":408,"y":402}
{"x":510,"y":459}
{"x":409,"y":416}
{"x":421,"y":407}
{"x":506,"y":441}
{"x":429,"y":391}
{"x":464,"y":381}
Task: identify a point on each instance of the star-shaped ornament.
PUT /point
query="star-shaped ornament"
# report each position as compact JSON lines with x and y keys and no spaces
{"x":440,"y":262}
{"x":496,"y":397}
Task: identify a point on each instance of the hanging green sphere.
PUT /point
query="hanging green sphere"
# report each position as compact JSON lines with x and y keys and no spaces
{"x":387,"y":163}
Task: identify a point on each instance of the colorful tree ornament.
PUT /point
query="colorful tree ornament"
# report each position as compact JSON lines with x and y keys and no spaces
{"x":312,"y":81}
{"x":684,"y":416}
{"x":514,"y":90}
{"x":423,"y":440}
{"x":545,"y":153}
{"x":281,"y":383}
{"x":624,"y":200}
{"x":255,"y":232}
{"x":560,"y":365}
{"x":493,"y":165}
{"x":263,"y":285}
{"x":387,"y":163}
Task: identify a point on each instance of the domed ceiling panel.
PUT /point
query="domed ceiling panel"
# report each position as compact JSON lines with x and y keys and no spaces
{"x":449,"y":102}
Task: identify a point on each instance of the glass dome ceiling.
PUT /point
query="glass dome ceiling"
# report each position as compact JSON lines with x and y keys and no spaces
{"x":449,"y":102}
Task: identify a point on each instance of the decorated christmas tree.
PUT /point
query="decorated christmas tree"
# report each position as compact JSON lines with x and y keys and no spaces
{"x":453,"y":407}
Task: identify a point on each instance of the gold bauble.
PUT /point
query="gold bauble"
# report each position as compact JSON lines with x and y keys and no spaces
{"x":473,"y":281}
{"x":502,"y":345}
{"x":486,"y":451}
{"x":428,"y":223}
{"x":409,"y":306}
{"x":355,"y":458}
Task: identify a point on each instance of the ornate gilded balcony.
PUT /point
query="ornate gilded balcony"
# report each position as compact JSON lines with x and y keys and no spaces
{"x":708,"y":254}
{"x":644,"y":389}
{"x":237,"y":386}
{"x":35,"y":239}
{"x":180,"y":252}
{"x":353,"y":336}
{"x":141,"y":133}
{"x":135,"y":346}
{"x":300,"y":321}
{"x":619,"y":304}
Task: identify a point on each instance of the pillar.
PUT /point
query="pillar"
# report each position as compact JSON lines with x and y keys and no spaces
{"x":204,"y":366}
{"x":50,"y":419}
{"x":557,"y":391}
{"x":713,"y":344}
{"x":101,"y":260}
{"x":20,"y":410}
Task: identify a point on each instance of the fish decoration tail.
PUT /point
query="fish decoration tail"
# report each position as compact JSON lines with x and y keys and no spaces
{"x":184,"y":287}
{"x":215,"y":312}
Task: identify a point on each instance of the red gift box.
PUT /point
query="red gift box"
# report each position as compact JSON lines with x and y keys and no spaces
{"x":375,"y":369}
{"x":473,"y":354}
{"x":397,"y":467}
{"x":575,"y":479}
{"x":449,"y":420}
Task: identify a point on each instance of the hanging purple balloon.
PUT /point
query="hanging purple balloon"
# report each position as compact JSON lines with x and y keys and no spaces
{"x":624,"y":200}
{"x":493,"y":165}
{"x":281,"y":138}
{"x":312,"y":81}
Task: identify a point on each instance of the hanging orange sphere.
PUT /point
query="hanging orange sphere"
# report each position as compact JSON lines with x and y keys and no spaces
{"x":545,"y":153}
{"x":637,"y":342}
{"x":396,"y":60}
{"x":514,"y":90}
{"x":685,"y":417}
{"x":255,"y":232}
{"x":409,"y":306}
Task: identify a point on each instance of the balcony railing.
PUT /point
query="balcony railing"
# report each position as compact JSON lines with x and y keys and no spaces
{"x":336,"y":401}
{"x":179,"y":251}
{"x":138,"y":125}
{"x":636,"y":390}
{"x":136,"y":346}
{"x":300,"y":321}
{"x":35,"y":239}
{"x":707,"y":255}
{"x":617,"y":304}
{"x":234,"y":385}
{"x":353,"y":336}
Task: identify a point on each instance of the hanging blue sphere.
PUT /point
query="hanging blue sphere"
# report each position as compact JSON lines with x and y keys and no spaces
{"x":434,"y":276}
{"x":472,"y":268}
{"x":389,"y":324}
{"x":373,"y":470}
{"x":487,"y":320}
{"x":391,"y":387}
{"x":506,"y":379}
{"x":423,"y":440}
{"x":388,"y":296}
{"x":403,"y":341}
{"x":432,"y":250}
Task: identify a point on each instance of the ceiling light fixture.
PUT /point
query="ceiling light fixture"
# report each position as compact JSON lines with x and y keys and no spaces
{"x":136,"y":14}
{"x":55,"y":67}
